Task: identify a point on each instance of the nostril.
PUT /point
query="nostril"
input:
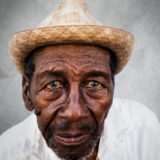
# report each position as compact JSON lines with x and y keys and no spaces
{"x":73,"y":112}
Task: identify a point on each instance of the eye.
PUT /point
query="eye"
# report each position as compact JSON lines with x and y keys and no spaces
{"x":54,"y":84}
{"x":93,"y":84}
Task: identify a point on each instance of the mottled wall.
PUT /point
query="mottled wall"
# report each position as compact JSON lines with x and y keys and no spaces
{"x":139,"y":81}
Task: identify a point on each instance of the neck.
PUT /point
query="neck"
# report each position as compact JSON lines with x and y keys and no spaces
{"x":94,"y":154}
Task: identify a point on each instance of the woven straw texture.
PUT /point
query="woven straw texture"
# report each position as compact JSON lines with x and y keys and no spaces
{"x":71,"y":22}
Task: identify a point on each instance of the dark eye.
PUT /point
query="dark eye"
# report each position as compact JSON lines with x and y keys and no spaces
{"x":93,"y":84}
{"x":54,"y":84}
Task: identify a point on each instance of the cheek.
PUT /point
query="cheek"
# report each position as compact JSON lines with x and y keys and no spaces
{"x":48,"y":104}
{"x":99,"y":104}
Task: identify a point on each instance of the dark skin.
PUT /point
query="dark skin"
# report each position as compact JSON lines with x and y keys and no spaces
{"x":72,"y":90}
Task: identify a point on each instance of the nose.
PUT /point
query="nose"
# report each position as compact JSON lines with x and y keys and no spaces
{"x":75,"y":108}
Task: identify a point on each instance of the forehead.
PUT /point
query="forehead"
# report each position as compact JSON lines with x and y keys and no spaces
{"x":75,"y":56}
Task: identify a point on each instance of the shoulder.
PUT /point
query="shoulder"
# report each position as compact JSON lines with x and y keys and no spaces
{"x":133,"y":127}
{"x":128,"y":117}
{"x":133,"y":111}
{"x":131,"y":131}
{"x":18,"y":139}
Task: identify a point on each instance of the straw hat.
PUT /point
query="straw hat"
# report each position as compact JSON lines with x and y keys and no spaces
{"x":71,"y":22}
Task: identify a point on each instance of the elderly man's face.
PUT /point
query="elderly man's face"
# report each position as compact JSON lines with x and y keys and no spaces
{"x":73,"y":90}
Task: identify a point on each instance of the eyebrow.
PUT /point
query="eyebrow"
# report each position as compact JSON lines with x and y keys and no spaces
{"x":52,"y":73}
{"x":60,"y":73}
{"x":97,"y":74}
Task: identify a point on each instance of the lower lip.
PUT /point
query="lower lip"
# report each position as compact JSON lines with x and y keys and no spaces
{"x":72,"y":141}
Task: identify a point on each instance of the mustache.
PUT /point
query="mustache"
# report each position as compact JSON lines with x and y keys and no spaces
{"x":65,"y":125}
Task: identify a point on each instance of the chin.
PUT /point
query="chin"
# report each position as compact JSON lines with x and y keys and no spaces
{"x":73,"y":152}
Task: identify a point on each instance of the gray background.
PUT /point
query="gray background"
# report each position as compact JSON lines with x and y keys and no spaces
{"x":139,"y":81}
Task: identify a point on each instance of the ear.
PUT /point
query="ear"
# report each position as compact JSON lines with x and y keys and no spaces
{"x":26,"y":93}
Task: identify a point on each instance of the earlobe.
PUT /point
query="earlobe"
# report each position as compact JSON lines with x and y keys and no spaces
{"x":26,"y":94}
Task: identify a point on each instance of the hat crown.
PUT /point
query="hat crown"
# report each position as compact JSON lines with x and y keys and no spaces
{"x":70,"y":12}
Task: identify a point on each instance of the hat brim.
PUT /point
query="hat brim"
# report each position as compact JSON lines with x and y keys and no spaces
{"x":119,"y":41}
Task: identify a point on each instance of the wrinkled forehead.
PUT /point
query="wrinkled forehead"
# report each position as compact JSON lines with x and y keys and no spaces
{"x":77,"y":55}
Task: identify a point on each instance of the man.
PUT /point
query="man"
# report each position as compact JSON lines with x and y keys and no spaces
{"x":68,"y":67}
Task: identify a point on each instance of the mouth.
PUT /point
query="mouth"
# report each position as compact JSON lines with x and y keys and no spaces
{"x":71,"y":140}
